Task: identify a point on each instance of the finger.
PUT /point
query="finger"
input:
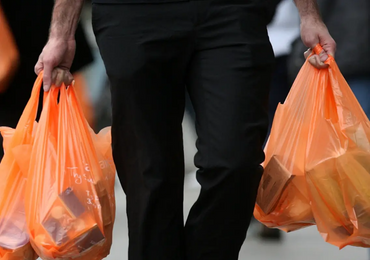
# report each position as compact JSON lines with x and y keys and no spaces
{"x":319,"y":64}
{"x":307,"y":53}
{"x":330,"y":47}
{"x":47,"y":77}
{"x":58,"y":77}
{"x":39,"y":67}
{"x":64,"y":76}
{"x":69,"y":80}
{"x":323,"y":56}
{"x":316,"y":62}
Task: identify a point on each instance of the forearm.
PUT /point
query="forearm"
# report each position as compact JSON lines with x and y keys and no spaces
{"x":308,"y":9}
{"x":65,"y":18}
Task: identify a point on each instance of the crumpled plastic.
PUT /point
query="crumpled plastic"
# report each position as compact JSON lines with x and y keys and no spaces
{"x":317,"y":167}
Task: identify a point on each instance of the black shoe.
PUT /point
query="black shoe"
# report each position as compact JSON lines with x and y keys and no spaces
{"x":270,"y":234}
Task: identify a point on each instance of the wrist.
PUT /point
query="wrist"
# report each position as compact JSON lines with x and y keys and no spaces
{"x":61,"y":38}
{"x":308,"y":11}
{"x":61,"y":34}
{"x":311,"y":19}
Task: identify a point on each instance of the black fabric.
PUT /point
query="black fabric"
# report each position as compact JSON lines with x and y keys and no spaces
{"x":136,"y":1}
{"x":270,"y":5}
{"x":280,"y":87}
{"x":29,"y":23}
{"x":219,"y":50}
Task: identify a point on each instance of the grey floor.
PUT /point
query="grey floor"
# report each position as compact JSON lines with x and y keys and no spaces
{"x":306,"y":244}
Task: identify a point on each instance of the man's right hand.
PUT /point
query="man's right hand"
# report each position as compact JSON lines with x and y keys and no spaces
{"x":55,"y":60}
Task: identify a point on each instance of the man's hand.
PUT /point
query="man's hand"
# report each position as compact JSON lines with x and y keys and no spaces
{"x":56,"y":60}
{"x":57,"y":56}
{"x":313,"y":32}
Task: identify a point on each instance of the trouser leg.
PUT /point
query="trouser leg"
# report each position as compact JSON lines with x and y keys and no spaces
{"x":145,"y":57}
{"x":228,"y":80}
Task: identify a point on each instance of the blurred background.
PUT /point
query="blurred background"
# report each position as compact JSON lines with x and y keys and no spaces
{"x":348,"y":21}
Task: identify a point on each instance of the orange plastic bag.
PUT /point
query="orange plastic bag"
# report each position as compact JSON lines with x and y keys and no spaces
{"x":283,"y":200}
{"x":318,"y":160}
{"x":338,"y":178}
{"x":14,"y":240}
{"x":82,"y":91}
{"x":70,"y":206}
{"x":9,"y":56}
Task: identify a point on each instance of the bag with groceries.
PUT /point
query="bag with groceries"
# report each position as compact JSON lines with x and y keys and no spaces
{"x":17,"y":145}
{"x":317,"y":167}
{"x":70,"y":205}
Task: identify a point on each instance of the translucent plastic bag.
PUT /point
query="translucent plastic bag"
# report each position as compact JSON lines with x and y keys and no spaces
{"x":283,"y":200}
{"x":338,"y":177}
{"x":70,"y":206}
{"x":318,"y":160}
{"x":14,"y":239}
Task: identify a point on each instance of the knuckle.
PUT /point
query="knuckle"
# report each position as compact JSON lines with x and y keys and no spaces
{"x":311,"y":41}
{"x":49,"y":61}
{"x":37,"y":68}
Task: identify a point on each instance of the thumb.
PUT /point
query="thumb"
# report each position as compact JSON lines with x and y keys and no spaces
{"x":47,"y":78}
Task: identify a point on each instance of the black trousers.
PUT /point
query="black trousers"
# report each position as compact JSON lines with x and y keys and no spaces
{"x":280,"y":87}
{"x":219,"y":50}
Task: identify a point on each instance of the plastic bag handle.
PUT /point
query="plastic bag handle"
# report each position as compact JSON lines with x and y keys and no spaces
{"x":22,"y":136}
{"x":33,"y":102}
{"x":28,"y":116}
{"x":71,"y":94}
{"x":318,"y":49}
